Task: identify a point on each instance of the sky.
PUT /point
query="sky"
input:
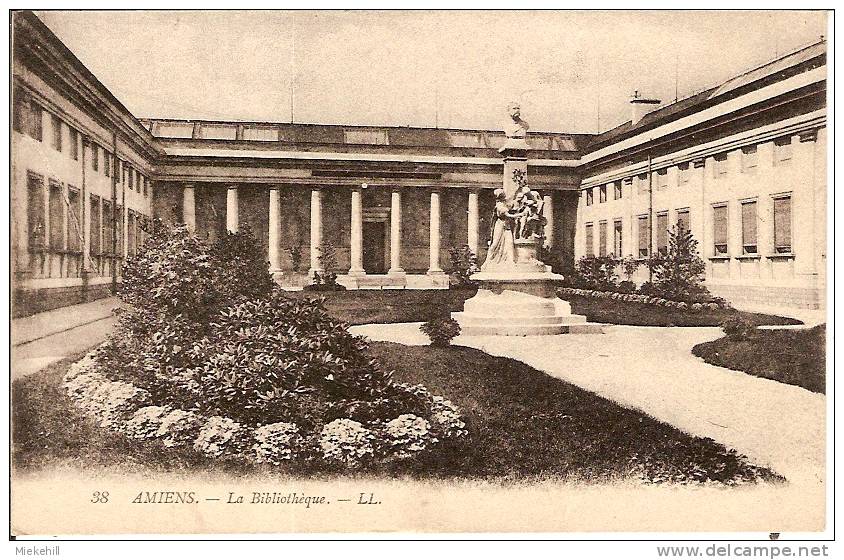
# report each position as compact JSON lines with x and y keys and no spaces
{"x":571,"y":71}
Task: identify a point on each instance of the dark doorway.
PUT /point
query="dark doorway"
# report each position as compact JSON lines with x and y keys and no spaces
{"x":374,"y":247}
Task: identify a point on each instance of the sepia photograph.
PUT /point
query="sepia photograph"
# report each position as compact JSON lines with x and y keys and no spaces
{"x":420,"y":272}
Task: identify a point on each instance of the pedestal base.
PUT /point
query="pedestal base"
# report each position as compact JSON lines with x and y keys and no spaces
{"x":519,"y":305}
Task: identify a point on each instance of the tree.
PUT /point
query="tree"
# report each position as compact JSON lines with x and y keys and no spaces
{"x":679,"y":272}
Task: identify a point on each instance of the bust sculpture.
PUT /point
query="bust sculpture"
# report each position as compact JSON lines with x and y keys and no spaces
{"x":515,"y":127}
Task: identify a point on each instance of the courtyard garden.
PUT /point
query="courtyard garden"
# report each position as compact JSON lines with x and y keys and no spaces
{"x":212,"y":367}
{"x":792,"y":356}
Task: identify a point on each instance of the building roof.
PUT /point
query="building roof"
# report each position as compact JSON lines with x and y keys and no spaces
{"x":800,"y":60}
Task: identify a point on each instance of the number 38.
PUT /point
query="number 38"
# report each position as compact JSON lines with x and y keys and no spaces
{"x":99,"y":498}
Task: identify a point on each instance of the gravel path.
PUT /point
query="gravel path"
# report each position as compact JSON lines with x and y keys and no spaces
{"x":652,"y":369}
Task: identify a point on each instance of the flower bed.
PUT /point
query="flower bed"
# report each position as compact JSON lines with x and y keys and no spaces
{"x":131,"y":411}
{"x":641,"y":298}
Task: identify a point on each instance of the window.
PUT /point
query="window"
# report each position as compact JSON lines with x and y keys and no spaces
{"x":617,"y":239}
{"x":106,"y":227}
{"x":74,"y":220}
{"x":617,"y":192}
{"x":137,"y":180}
{"x":662,"y":179}
{"x":57,"y":132}
{"x":96,"y":226}
{"x":107,"y":163}
{"x":130,"y":175}
{"x":131,"y":237}
{"x":782,"y":224}
{"x":662,"y":233}
{"x":683,"y":222}
{"x":56,"y":217}
{"x":683,"y":172}
{"x":720,"y":224}
{"x":602,"y":239}
{"x":118,"y":221}
{"x":95,"y":157}
{"x":590,"y":249}
{"x":36,"y":120}
{"x":748,"y":227}
{"x":146,"y":180}
{"x":589,"y":197}
{"x":644,"y":235}
{"x":749,"y":159}
{"x":36,"y":212}
{"x":602,"y":193}
{"x":782,"y":149}
{"x":721,"y":162}
{"x":74,"y":144}
{"x":644,"y":183}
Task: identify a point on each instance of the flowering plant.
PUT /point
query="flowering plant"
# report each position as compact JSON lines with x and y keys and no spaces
{"x":276,"y":442}
{"x":145,"y":422}
{"x":219,"y":436}
{"x":407,"y":435}
{"x":178,"y":427}
{"x":346,"y":441}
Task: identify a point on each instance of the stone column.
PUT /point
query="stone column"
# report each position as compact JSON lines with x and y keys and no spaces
{"x":472,"y":221}
{"x":434,"y":238}
{"x":395,"y":233}
{"x":548,"y":213}
{"x":274,"y":231}
{"x":232,"y":209}
{"x":356,"y":234}
{"x":189,"y":206}
{"x":316,"y":229}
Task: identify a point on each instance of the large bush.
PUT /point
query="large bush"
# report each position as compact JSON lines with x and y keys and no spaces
{"x":678,"y":273}
{"x":597,"y":273}
{"x":220,"y":353}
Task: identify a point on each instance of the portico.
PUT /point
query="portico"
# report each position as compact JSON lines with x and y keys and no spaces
{"x":391,"y":212}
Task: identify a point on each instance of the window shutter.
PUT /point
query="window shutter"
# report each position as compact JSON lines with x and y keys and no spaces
{"x":602,"y":239}
{"x":720,"y":220}
{"x":748,"y":223}
{"x":782,"y":222}
{"x":662,"y":232}
{"x":644,"y":235}
{"x":590,"y":251}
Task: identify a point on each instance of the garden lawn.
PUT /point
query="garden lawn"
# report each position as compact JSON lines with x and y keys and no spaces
{"x":795,"y":357}
{"x":523,"y":425}
{"x":601,"y":310}
{"x":361,"y":307}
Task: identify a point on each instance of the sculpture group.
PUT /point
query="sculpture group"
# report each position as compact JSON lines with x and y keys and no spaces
{"x":517,"y":218}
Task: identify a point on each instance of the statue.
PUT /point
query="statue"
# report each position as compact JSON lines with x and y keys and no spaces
{"x":515,"y":127}
{"x":502,"y":250}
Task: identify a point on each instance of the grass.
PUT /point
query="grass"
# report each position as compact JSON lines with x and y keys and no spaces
{"x":523,"y":425}
{"x":795,"y":357}
{"x":600,"y":310}
{"x":359,"y":307}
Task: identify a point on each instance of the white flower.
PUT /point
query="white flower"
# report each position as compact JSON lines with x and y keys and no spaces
{"x":217,"y":436}
{"x":346,"y":441}
{"x":408,"y":434}
{"x":275,"y":442}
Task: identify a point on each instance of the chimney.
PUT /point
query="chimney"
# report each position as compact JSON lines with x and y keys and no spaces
{"x":641,"y":106}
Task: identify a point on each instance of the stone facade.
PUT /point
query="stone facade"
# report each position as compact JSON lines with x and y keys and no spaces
{"x":393,"y":200}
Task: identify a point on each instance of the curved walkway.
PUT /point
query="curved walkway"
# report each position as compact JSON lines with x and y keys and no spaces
{"x":652,"y":369}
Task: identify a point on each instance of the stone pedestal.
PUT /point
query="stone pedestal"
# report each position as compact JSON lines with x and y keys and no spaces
{"x":520,"y":300}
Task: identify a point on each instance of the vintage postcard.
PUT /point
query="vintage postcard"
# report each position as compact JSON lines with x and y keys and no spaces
{"x":279,"y":273}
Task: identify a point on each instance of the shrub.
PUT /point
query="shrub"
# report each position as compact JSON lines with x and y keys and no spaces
{"x":407,"y":435}
{"x":219,"y":436}
{"x":464,"y":263}
{"x":597,"y":273}
{"x":678,"y":273}
{"x":626,"y":287}
{"x":146,"y":421}
{"x":179,"y":427}
{"x":234,"y":369}
{"x":275,"y":443}
{"x":327,"y":279}
{"x":440,"y":331}
{"x":737,"y":327}
{"x":295,"y":252}
{"x":346,"y":442}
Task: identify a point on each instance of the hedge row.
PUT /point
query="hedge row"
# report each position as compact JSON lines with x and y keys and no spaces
{"x":640,"y":298}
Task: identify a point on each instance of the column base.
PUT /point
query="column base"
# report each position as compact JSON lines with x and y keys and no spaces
{"x":397,"y":272}
{"x":311,"y":272}
{"x":436,"y":272}
{"x":356,"y":272}
{"x":276,"y":273}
